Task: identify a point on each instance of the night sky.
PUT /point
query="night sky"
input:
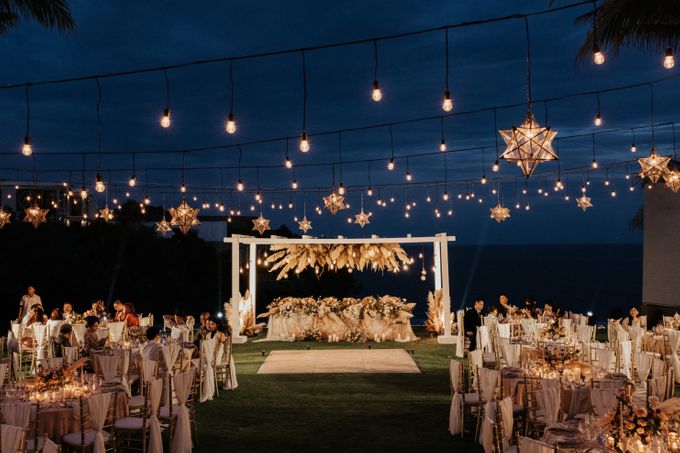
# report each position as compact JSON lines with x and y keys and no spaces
{"x":487,"y":68}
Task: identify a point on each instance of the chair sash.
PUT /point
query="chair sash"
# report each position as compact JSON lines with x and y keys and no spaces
{"x":486,"y":433}
{"x":232,"y":383}
{"x":12,"y":438}
{"x":124,"y":368}
{"x":179,"y":334}
{"x":504,"y":331}
{"x":149,"y":369}
{"x":585,"y":333}
{"x":170,"y":353}
{"x":658,"y":387}
{"x":109,"y":365}
{"x":455,"y":413}
{"x":603,"y":400}
{"x":115,"y":331}
{"x":208,"y":353}
{"x":505,"y":406}
{"x":70,"y":354}
{"x":460,"y":338}
{"x":79,"y":332}
{"x":488,"y":381}
{"x":155,"y":440}
{"x":658,"y":367}
{"x":548,"y":400}
{"x":144,"y":321}
{"x":3,"y":373}
{"x":53,"y":326}
{"x":606,"y":359}
{"x":181,"y":441}
{"x":625,"y":350}
{"x":511,"y":352}
{"x":483,"y":338}
{"x":643,"y":364}
{"x":568,"y":327}
{"x":17,"y":414}
{"x":40,"y":332}
{"x":98,"y":406}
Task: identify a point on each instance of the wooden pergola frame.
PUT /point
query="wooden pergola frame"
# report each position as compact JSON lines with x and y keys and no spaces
{"x":441,"y":268}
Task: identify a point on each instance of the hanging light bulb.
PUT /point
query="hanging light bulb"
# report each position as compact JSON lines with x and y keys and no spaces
{"x":390,"y":164}
{"x":606,"y":181}
{"x":369,"y":192}
{"x":598,"y":55}
{"x":668,"y":60}
{"x":598,"y":120}
{"x":231,"y":124}
{"x":99,"y":183}
{"x":495,"y":166}
{"x":165,"y":119}
{"x":133,"y":181}
{"x":239,"y":185}
{"x":341,"y":189}
{"x":294,"y":184}
{"x":147,"y":200}
{"x":445,"y":196}
{"x":304,"y":142}
{"x":442,"y":145}
{"x":376,"y":94}
{"x":288,"y":162}
{"x":595,"y":164}
{"x":183,"y":188}
{"x":409,"y":176}
{"x":483,"y":180}
{"x":447,"y":103}
{"x":26,"y":149}
{"x":633,"y":148}
{"x":613,"y":194}
{"x":83,"y":193}
{"x":258,"y":195}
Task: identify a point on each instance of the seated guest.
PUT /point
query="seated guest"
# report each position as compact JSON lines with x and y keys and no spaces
{"x":204,"y":318}
{"x":65,"y":339}
{"x":471,"y":320}
{"x":634,"y":319}
{"x":179,"y":328}
{"x":97,"y":310}
{"x":69,"y":315}
{"x":152,"y":348}
{"x":131,"y":318}
{"x":120,"y":310}
{"x":218,"y":330}
{"x":548,"y":313}
{"x":35,"y":316}
{"x":505,"y":307}
{"x":92,"y":343}
{"x":56,"y":315}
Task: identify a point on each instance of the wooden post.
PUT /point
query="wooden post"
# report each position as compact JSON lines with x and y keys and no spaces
{"x":235,"y":292}
{"x":252,"y":276}
{"x":443,"y":242}
{"x":437,"y":246}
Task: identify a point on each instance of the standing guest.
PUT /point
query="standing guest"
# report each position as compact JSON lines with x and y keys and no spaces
{"x":634,"y":319}
{"x":56,"y":315}
{"x":505,"y":308}
{"x":130,"y":315}
{"x":92,"y":343}
{"x":70,"y":316}
{"x":28,"y":301}
{"x":35,"y":316}
{"x":120,"y":311}
{"x":471,"y":320}
{"x":96,"y":311}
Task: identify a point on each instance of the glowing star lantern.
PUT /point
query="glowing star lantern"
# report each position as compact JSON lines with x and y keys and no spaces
{"x":654,"y":166}
{"x":672,"y":181}
{"x":334,"y":202}
{"x":106,"y":214}
{"x":528,"y":144}
{"x":584,"y":202}
{"x":261,"y":225}
{"x":184,"y":217}
{"x":362,"y":219}
{"x":305,"y":225}
{"x":35,"y":215}
{"x":163,"y":227}
{"x":4,"y":217}
{"x":499,"y":213}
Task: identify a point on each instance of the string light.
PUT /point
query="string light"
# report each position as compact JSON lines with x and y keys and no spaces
{"x":594,"y":164}
{"x":376,"y":92}
{"x":133,"y":179}
{"x":598,"y":117}
{"x":239,"y":183}
{"x":165,"y":118}
{"x":83,"y":193}
{"x":230,"y":127}
{"x":99,"y":183}
{"x":668,"y":59}
{"x":409,"y":176}
{"x":442,"y":141}
{"x":447,"y":102}
{"x":598,"y":55}
{"x":304,"y":141}
{"x":391,"y":164}
{"x":294,"y":184}
{"x":633,"y":147}
{"x":27,"y":149}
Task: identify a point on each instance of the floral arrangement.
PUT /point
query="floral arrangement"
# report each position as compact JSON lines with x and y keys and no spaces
{"x":557,"y":357}
{"x":296,"y":258}
{"x":389,"y":307}
{"x":552,"y":330}
{"x":312,"y":334}
{"x":355,"y":335}
{"x":627,"y":425}
{"x":434,"y":325}
{"x":675,"y":323}
{"x":50,"y":379}
{"x":247,"y":324}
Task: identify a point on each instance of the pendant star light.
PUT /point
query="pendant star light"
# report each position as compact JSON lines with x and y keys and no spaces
{"x":4,"y":217}
{"x":26,"y":149}
{"x":261,"y":224}
{"x":447,"y":102}
{"x":583,"y":202}
{"x":334,"y":202}
{"x":304,"y":225}
{"x":35,"y":215}
{"x":499,"y":213}
{"x":184,"y":217}
{"x":304,"y":140}
{"x":230,"y":127}
{"x":654,"y":166}
{"x":362,"y":219}
{"x":165,"y":118}
{"x":99,"y":185}
{"x":529,"y":143}
{"x":106,"y":214}
{"x":163,"y":226}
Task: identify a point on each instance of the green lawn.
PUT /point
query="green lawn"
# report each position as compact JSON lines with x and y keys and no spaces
{"x":335,"y":412}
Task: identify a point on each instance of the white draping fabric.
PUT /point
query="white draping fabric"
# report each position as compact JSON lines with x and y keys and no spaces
{"x":53,"y":326}
{"x":460,"y":338}
{"x":476,"y":361}
{"x":486,"y":433}
{"x":456,"y":411}
{"x":603,"y":400}
{"x":49,"y":446}
{"x":483,"y":338}
{"x":548,"y":400}
{"x":170,"y":353}
{"x":40,"y":332}
{"x":124,"y":368}
{"x":17,"y":414}
{"x":115,"y":330}
{"x":155,"y":440}
{"x":504,"y":331}
{"x":636,"y":336}
{"x":109,"y":365}
{"x":505,"y":406}
{"x":12,"y":438}
{"x":70,"y":354}
{"x":149,"y":369}
{"x":181,"y":441}
{"x":625,"y":350}
{"x":673,"y":343}
{"x":658,"y":367}
{"x":179,"y":334}
{"x":643,"y":364}
{"x":529,"y":445}
{"x":606,"y":359}
{"x":144,"y":321}
{"x":3,"y":373}
{"x":98,"y":406}
{"x":568,"y":327}
{"x":102,"y":332}
{"x":585,"y":333}
{"x":488,"y":381}
{"x":232,"y":382}
{"x":511,"y":352}
{"x":79,"y":332}
{"x":621,"y":334}
{"x":208,"y":353}
{"x":657,"y":387}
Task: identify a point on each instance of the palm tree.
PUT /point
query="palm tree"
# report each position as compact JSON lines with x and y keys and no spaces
{"x":48,"y":13}
{"x":649,"y":24}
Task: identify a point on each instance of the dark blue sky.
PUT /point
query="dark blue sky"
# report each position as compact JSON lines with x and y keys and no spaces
{"x":487,"y":69}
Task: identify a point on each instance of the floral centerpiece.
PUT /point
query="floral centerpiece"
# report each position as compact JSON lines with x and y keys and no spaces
{"x":552,"y":330}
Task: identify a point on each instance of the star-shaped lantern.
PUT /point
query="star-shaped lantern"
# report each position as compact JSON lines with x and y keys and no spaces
{"x":184,"y":217}
{"x":654,"y":166}
{"x":163,"y":227}
{"x":305,"y":225}
{"x":36,"y":215}
{"x":528,"y":144}
{"x":4,"y":217}
{"x":499,"y":213}
{"x":106,"y":214}
{"x":584,"y":202}
{"x":362,"y":219}
{"x":334,"y":202}
{"x":673,"y":180}
{"x":261,"y":225}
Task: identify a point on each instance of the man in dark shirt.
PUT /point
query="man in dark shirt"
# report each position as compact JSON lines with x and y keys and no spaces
{"x":472,"y":320}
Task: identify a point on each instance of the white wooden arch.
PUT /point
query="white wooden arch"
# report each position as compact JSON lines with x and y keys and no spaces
{"x":441,"y":268}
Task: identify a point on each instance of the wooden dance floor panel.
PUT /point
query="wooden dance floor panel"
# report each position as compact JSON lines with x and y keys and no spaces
{"x":339,"y":361}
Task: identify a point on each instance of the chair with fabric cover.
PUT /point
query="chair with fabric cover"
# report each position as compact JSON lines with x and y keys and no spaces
{"x":488,"y":381}
{"x":96,"y":421}
{"x":225,"y":371}
{"x":207,"y":369}
{"x":497,"y":427}
{"x":148,"y":371}
{"x":462,"y":400}
{"x":180,"y":413}
{"x":142,"y":433}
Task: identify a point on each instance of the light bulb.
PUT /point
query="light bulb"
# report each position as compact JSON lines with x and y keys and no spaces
{"x":447,"y":103}
{"x":290,"y":206}
{"x":606,"y":182}
{"x":668,"y":60}
{"x":407,"y":215}
{"x":495,"y":166}
{"x":165,"y":119}
{"x":598,"y":55}
{"x":83,"y":193}
{"x":445,"y":197}
{"x":369,"y":192}
{"x":633,"y":148}
{"x":390,"y":164}
{"x":627,"y":176}
{"x":183,"y":188}
{"x":147,"y":200}
{"x":598,"y":120}
{"x":483,"y":180}
{"x":239,"y":185}
{"x":289,"y":163}
{"x":27,"y":150}
{"x":294,"y":184}
{"x":631,"y":188}
{"x":613,"y":194}
{"x":376,"y":94}
{"x":442,"y":145}
{"x":304,"y":142}
{"x":595,"y":164}
{"x":133,"y":181}
{"x":258,"y":195}
{"x":409,"y":177}
{"x":231,"y":124}
{"x":99,"y":184}
{"x":341,"y":189}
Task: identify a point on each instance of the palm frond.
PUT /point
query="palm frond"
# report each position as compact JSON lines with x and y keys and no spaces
{"x":53,"y":14}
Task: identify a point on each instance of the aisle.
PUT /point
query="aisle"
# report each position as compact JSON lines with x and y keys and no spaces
{"x":332,"y":412}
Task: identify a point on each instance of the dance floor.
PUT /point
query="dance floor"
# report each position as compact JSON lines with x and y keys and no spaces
{"x":339,"y":361}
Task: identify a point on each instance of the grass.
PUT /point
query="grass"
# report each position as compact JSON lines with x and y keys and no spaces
{"x":333,"y":412}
